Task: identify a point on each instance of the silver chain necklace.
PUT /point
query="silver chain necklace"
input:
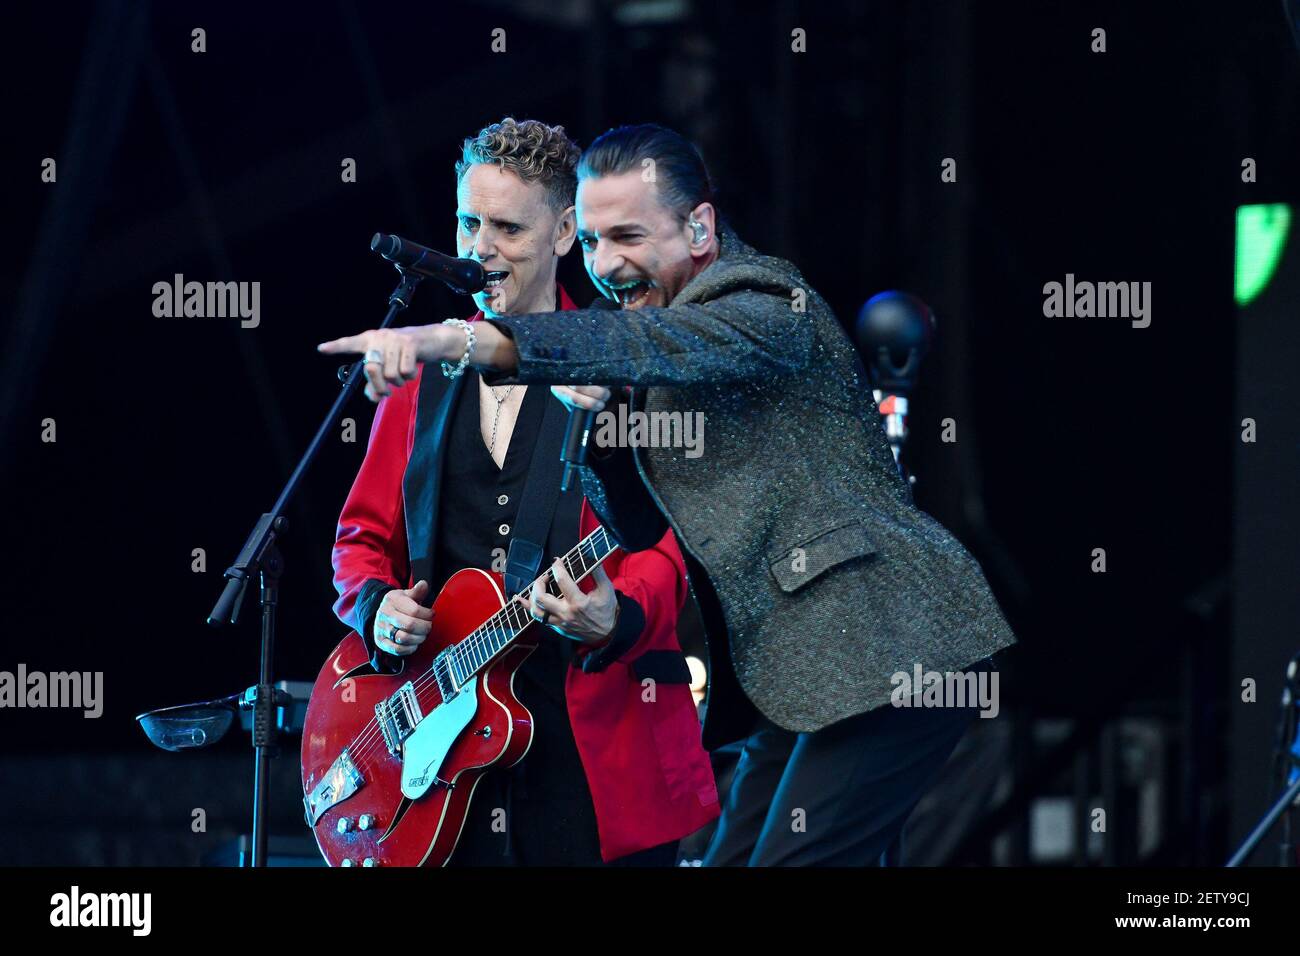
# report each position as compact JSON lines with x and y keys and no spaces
{"x":492,"y":450}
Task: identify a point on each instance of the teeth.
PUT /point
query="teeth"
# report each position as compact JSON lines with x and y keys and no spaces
{"x":623,"y":294}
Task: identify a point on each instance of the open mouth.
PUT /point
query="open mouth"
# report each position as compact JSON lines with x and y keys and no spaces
{"x":631,"y":294}
{"x":494,"y":279}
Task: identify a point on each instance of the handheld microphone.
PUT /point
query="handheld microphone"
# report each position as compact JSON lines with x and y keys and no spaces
{"x":461,"y":275}
{"x":574,"y":451}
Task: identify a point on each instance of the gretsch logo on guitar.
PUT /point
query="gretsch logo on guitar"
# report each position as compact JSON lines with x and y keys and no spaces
{"x":389,"y":769}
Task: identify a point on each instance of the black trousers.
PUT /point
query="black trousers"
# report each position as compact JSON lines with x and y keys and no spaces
{"x":837,"y":797}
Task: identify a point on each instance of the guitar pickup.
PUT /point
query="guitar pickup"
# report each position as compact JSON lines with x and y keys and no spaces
{"x":448,"y":686}
{"x":397,"y":716}
{"x":339,"y":782}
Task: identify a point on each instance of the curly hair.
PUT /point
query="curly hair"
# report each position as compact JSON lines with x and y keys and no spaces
{"x":535,"y":152}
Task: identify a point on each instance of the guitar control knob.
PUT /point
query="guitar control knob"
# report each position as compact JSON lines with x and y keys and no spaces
{"x":346,"y":863}
{"x":370,"y":861}
{"x":365,"y":821}
{"x":344,"y":824}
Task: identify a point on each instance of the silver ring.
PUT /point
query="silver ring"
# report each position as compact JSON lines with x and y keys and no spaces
{"x":392,"y":635}
{"x":374,"y":355}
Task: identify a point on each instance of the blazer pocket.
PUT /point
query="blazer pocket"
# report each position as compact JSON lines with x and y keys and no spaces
{"x":796,"y":565}
{"x":676,"y":731}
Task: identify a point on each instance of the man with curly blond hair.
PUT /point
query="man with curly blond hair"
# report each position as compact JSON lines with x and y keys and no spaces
{"x":610,"y":775}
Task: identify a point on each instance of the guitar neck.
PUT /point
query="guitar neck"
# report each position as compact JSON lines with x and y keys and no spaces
{"x":500,"y":630}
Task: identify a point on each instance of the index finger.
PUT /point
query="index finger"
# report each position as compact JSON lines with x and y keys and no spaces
{"x":567,"y":586}
{"x":349,"y":343}
{"x":404,"y":604}
{"x":575,"y":399}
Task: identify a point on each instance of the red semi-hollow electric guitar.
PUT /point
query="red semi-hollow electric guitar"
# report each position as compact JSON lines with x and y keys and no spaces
{"x":390,"y":762}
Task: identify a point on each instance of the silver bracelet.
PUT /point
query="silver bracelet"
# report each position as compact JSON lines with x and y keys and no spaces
{"x":454,"y":372}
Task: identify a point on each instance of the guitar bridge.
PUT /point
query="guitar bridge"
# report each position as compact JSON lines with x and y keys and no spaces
{"x":339,"y":782}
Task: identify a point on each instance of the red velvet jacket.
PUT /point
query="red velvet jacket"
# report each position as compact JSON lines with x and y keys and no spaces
{"x":634,"y":724}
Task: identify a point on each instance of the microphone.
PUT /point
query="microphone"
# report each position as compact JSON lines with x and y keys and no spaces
{"x":893,"y":332}
{"x":574,"y":451}
{"x":461,"y":275}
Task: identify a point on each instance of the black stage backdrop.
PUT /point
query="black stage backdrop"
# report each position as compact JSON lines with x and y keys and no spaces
{"x":1072,"y":434}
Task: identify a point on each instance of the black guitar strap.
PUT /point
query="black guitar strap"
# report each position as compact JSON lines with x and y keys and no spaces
{"x":537,"y":506}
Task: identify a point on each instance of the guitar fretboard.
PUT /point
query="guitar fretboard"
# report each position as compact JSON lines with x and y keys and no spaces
{"x":497,"y":632}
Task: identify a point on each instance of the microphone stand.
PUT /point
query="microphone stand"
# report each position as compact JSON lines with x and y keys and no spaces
{"x":889,"y":325}
{"x":1288,"y":762}
{"x":574,"y":450}
{"x":260,"y":558}
{"x":1283,"y":804}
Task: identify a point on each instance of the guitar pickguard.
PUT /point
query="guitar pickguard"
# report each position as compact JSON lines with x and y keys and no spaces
{"x":425,"y":749}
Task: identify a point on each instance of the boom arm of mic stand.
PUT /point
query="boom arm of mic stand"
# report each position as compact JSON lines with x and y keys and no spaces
{"x":249,"y":561}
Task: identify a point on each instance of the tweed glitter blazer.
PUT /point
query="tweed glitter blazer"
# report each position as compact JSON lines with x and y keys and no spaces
{"x":829,"y":578}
